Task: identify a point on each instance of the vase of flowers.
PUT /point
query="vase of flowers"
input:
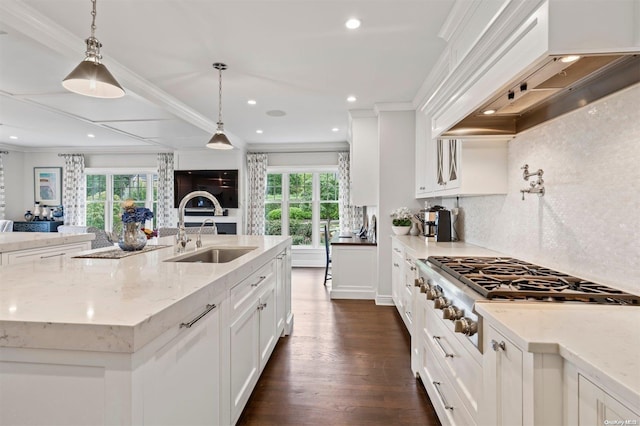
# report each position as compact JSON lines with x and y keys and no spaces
{"x":132,"y":237}
{"x":401,"y":221}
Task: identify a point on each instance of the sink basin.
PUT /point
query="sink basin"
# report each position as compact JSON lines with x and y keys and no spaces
{"x":213,"y":255}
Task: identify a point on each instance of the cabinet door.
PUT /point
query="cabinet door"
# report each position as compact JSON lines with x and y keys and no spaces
{"x":597,"y":407}
{"x":281,"y":295}
{"x":397,"y":278}
{"x":502,"y":368}
{"x":453,"y":164}
{"x":182,"y":382}
{"x":268,"y":324}
{"x":244,"y":359}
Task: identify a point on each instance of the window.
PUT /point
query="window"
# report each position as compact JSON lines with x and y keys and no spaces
{"x":309,"y":198}
{"x":107,"y":190}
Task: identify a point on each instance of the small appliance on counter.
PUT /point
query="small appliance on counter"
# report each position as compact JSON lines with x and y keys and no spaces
{"x":437,"y":224}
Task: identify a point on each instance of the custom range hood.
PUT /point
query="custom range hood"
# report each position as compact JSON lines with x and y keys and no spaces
{"x":558,"y":85}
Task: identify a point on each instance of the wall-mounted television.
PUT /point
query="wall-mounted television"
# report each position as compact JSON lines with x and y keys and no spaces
{"x":222,"y":184}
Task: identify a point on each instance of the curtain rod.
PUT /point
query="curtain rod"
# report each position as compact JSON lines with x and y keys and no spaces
{"x":4,"y":152}
{"x":70,"y":155}
{"x":297,"y":152}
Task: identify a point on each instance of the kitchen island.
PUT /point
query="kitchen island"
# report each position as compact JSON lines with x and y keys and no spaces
{"x":141,"y":339}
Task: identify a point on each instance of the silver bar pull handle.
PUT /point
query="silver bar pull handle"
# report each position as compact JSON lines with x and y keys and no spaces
{"x":444,"y":351}
{"x":189,"y":324}
{"x":262,"y":278}
{"x":52,"y":255}
{"x":444,"y":401}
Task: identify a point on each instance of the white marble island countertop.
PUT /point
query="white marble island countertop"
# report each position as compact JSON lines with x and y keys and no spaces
{"x":11,"y":241}
{"x":117,"y":305}
{"x":602,"y":340}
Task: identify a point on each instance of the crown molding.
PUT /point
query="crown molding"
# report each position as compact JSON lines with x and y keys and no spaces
{"x":392,"y":106}
{"x":457,"y":16}
{"x":362,"y":113}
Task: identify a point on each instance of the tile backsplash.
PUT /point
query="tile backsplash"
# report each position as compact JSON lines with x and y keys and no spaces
{"x":588,"y":222}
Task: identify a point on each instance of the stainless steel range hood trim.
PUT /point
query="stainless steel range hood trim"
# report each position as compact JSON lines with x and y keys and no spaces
{"x":608,"y":80}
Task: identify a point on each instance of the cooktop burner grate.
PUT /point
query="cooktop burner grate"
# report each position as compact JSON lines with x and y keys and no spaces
{"x":509,"y":278}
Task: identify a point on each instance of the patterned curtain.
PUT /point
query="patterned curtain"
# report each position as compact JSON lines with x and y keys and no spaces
{"x":3,"y":203}
{"x":74,"y":193}
{"x":257,"y":179}
{"x":345,"y":208}
{"x":166,"y":211}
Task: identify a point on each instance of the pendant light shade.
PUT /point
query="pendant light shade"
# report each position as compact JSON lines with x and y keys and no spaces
{"x":219,"y":139}
{"x":91,"y":77}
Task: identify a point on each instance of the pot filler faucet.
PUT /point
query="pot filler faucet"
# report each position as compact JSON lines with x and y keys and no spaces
{"x":181,"y":237}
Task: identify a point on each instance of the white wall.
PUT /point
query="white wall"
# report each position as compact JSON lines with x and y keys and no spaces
{"x":14,"y":185}
{"x":588,"y":222}
{"x":396,"y":134}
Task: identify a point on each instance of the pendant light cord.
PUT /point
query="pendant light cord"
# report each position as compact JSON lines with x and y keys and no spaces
{"x":220,"y":97}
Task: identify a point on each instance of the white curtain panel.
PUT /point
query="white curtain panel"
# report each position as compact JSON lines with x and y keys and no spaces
{"x":74,"y":192}
{"x":345,"y":210}
{"x":3,"y":203}
{"x":257,"y":181}
{"x":166,"y":211}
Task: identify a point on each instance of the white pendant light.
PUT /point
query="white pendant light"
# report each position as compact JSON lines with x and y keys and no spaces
{"x":91,"y":77}
{"x":219,"y":139}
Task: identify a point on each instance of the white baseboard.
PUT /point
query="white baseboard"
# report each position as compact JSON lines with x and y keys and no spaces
{"x":384,"y":300}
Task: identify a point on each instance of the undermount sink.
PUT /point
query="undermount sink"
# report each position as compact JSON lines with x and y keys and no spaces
{"x":213,"y":255}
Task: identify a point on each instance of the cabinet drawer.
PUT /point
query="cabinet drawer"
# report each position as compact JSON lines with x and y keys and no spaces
{"x":443,"y":396}
{"x":248,"y":290}
{"x":40,"y":254}
{"x":457,"y":362}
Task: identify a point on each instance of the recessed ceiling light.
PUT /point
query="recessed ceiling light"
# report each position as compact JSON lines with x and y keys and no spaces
{"x":91,"y":135}
{"x":259,"y":131}
{"x":351,"y":98}
{"x":13,"y":137}
{"x":569,"y":58}
{"x":335,"y":129}
{"x":251,"y":102}
{"x":352,"y":23}
{"x":489,"y":111}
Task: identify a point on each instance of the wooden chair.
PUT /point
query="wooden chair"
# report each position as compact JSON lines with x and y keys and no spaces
{"x":327,"y":275}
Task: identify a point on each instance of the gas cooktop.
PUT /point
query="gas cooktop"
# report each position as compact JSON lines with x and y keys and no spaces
{"x":508,"y":278}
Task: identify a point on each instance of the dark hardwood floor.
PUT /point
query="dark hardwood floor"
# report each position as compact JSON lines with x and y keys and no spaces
{"x":347,"y":362}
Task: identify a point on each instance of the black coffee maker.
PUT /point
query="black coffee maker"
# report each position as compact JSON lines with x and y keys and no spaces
{"x":437,"y":224}
{"x":443,"y":226}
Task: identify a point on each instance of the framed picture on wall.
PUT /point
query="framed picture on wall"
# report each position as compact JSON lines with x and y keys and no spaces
{"x":47,"y":183}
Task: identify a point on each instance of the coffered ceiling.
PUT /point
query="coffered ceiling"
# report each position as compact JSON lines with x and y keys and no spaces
{"x":294,"y":56}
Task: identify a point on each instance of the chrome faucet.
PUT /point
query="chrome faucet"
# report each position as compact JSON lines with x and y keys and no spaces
{"x":215,"y":231}
{"x":181,"y":238}
{"x":536,"y":187}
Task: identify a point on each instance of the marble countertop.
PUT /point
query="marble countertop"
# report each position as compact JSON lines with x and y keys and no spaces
{"x":117,"y":305}
{"x":421,"y":249}
{"x":12,"y":241}
{"x":604,"y":341}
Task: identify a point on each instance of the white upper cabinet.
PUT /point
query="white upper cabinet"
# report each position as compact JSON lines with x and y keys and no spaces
{"x":465,"y":167}
{"x":364,"y":158}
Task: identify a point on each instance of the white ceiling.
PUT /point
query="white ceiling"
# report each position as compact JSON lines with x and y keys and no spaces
{"x":295,"y":56}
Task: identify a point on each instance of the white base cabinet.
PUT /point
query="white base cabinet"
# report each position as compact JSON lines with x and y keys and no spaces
{"x":180,"y":383}
{"x":353,"y":272}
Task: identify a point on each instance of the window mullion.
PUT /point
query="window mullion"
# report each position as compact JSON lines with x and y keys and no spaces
{"x":315,"y":217}
{"x":108,"y":205}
